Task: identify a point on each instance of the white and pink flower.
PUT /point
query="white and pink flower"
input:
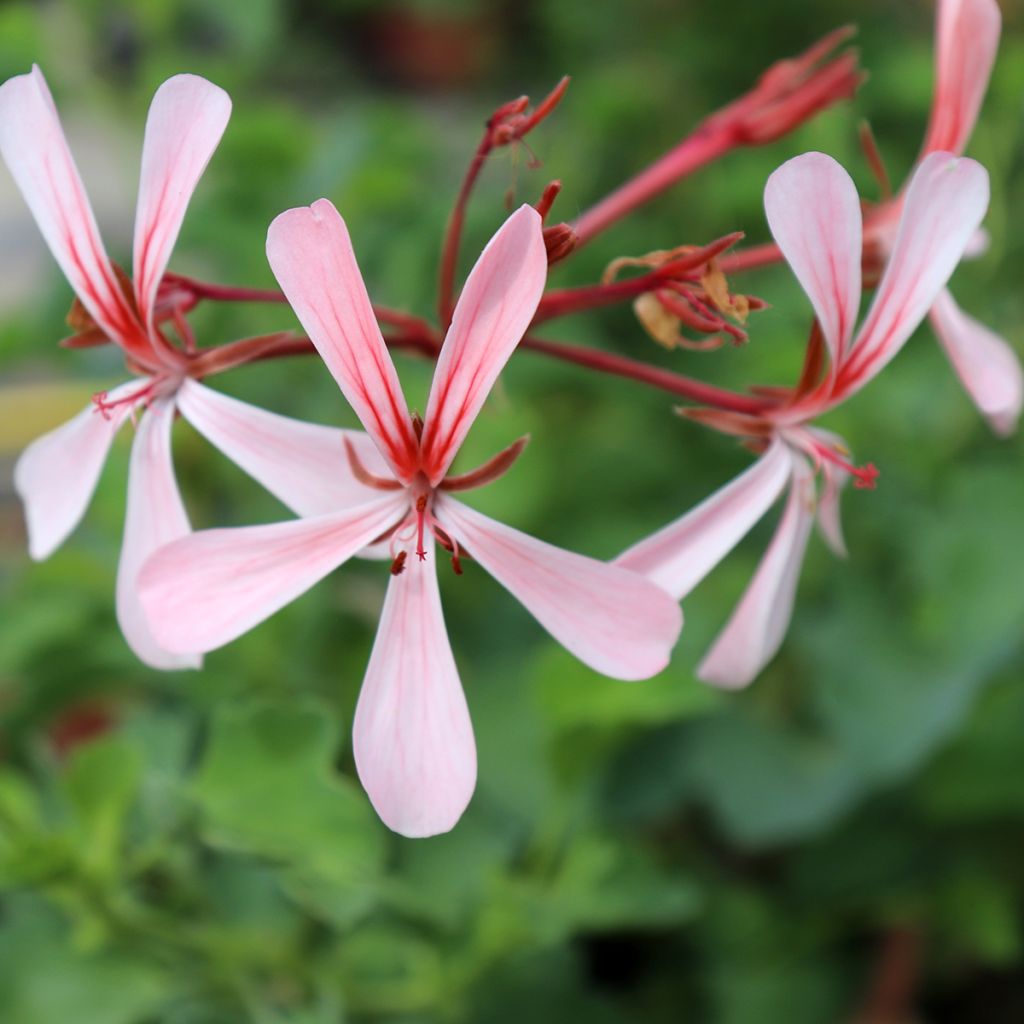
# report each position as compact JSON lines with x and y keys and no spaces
{"x":413,"y":740}
{"x":966,"y":40}
{"x":57,"y":474}
{"x":815,"y":217}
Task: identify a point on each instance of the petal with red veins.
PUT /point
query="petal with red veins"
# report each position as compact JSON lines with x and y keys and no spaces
{"x":154,"y":516}
{"x":33,"y":146}
{"x":755,"y":632}
{"x":814,"y":214}
{"x":491,"y":317}
{"x":412,"y":735}
{"x":678,"y":556}
{"x":944,"y":204}
{"x":186,"y":120}
{"x":988,"y":368}
{"x":613,"y":620}
{"x":829,"y":519}
{"x":966,"y":40}
{"x":57,"y":473}
{"x":311,"y":255}
{"x":205,"y":590}
{"x":304,"y":465}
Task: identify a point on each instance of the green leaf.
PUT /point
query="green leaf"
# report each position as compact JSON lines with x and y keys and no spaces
{"x":266,"y":786}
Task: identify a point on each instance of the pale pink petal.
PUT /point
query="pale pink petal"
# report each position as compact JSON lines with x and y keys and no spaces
{"x":988,"y":368}
{"x":755,"y":632}
{"x":966,"y":40}
{"x":57,"y":473}
{"x":814,"y":214}
{"x":186,"y":120}
{"x":829,"y":519}
{"x":154,"y":516}
{"x":201,"y":592}
{"x":681,"y":554}
{"x":311,"y":255}
{"x":304,"y":465}
{"x":412,"y":736}
{"x":613,"y":620}
{"x":945,"y":203}
{"x":33,"y":146}
{"x":493,"y":312}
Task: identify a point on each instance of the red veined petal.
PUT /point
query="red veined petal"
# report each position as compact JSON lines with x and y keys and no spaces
{"x":303,"y":465}
{"x":613,"y":620}
{"x":186,"y":120}
{"x":311,"y":255}
{"x":492,"y":314}
{"x":757,"y":627}
{"x":988,"y":368}
{"x":57,"y":473}
{"x":154,"y":516}
{"x":944,"y":204}
{"x":966,"y":40}
{"x":681,"y":554}
{"x":32,"y":144}
{"x":814,"y":214}
{"x":205,"y":590}
{"x":412,"y":735}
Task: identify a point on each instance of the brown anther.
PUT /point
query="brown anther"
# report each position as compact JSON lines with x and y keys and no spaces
{"x":457,"y":565}
{"x":421,"y":503}
{"x":398,"y":565}
{"x":417,"y":425}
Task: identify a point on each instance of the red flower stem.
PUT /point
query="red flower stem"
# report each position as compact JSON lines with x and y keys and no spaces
{"x":701,"y":148}
{"x":563,"y":301}
{"x":453,"y":233}
{"x":278,"y":346}
{"x":229,"y":293}
{"x":750,"y":259}
{"x":632,"y":369}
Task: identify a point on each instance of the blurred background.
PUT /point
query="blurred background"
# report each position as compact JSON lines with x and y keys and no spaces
{"x":842,"y":842}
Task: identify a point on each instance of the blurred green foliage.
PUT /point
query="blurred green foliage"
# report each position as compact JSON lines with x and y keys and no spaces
{"x":648,"y":852}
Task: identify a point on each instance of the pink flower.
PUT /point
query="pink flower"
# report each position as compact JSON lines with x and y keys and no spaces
{"x":413,"y":740}
{"x":967,"y":37}
{"x":814,"y":214}
{"x":57,"y":474}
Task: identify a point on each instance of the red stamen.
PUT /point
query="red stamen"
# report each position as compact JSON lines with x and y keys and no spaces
{"x":421,"y":515}
{"x":105,"y":407}
{"x":864,"y":477}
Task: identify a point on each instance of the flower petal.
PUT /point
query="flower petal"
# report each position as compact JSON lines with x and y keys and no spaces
{"x":613,"y":620}
{"x":57,"y":473}
{"x":492,"y":314}
{"x":681,"y":554}
{"x":829,"y":519}
{"x":311,"y":255}
{"x":32,"y":144}
{"x":201,"y":592}
{"x":988,"y":368}
{"x":412,"y":735}
{"x":154,"y":516}
{"x":945,"y":203}
{"x":304,"y":465}
{"x":966,"y":40}
{"x":755,"y":632}
{"x":814,"y":214}
{"x":186,"y":120}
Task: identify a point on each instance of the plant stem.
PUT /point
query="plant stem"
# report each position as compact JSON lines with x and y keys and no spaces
{"x":632,"y":369}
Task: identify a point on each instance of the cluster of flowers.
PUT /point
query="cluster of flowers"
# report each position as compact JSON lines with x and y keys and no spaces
{"x":389,"y":492}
